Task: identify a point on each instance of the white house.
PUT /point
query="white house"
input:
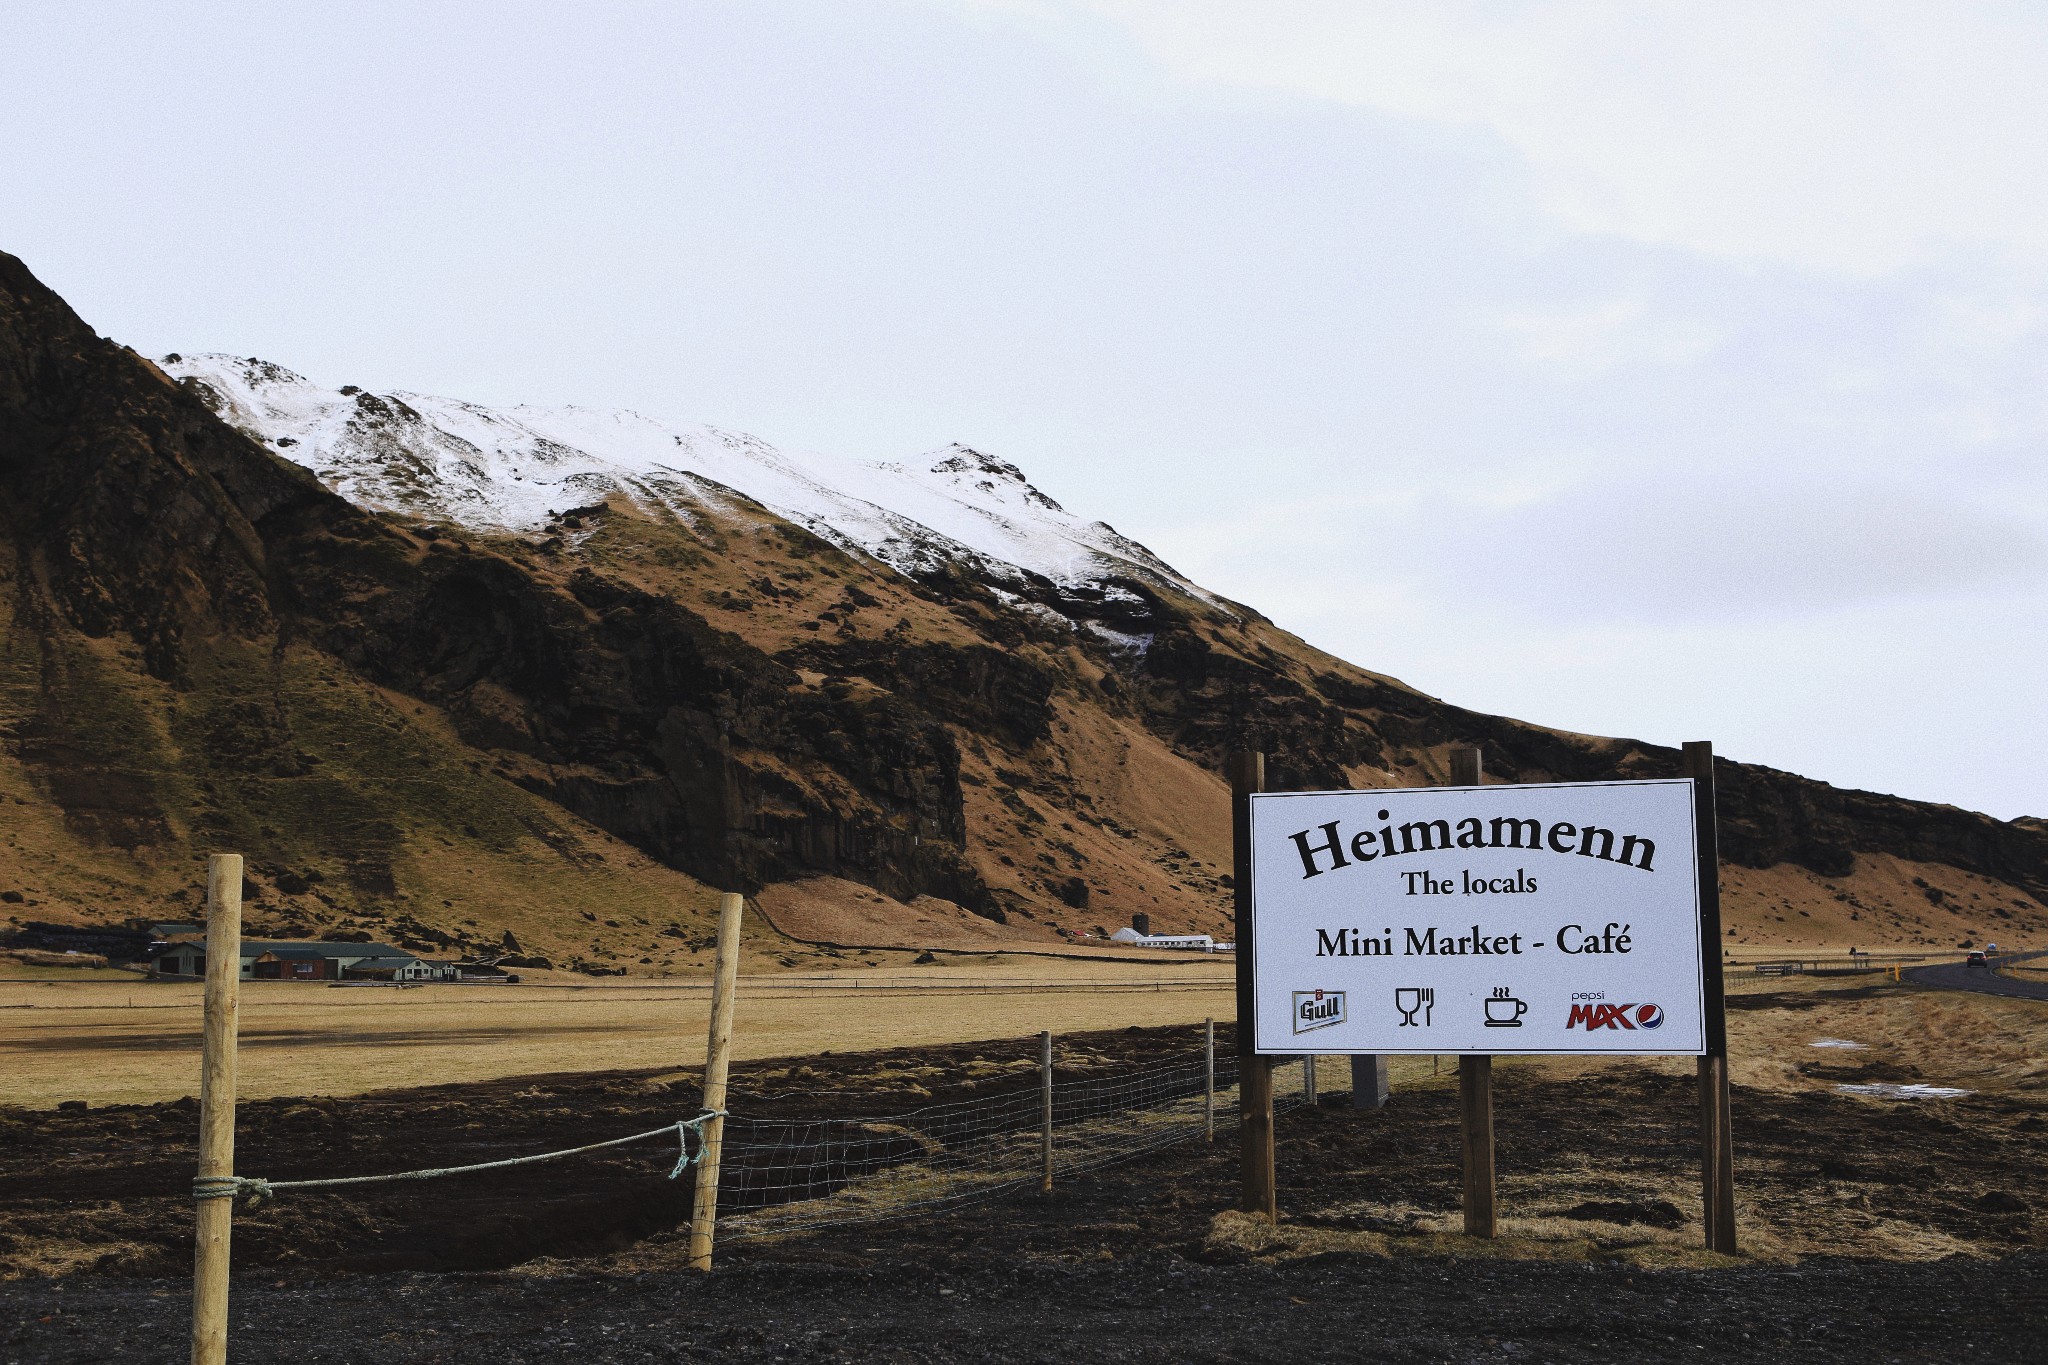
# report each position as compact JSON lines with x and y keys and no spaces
{"x":267,"y":960}
{"x":1199,"y":942}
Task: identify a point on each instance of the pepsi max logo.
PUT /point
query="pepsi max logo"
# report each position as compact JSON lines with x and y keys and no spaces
{"x":1630,"y":1017}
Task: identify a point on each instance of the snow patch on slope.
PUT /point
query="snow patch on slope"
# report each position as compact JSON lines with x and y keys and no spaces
{"x":512,"y":469}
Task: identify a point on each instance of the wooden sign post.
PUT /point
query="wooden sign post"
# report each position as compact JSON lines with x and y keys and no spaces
{"x":1717,"y":1166}
{"x":1475,"y":1084}
{"x":216,"y":1206}
{"x":717,"y":1059}
{"x":1260,"y":1192}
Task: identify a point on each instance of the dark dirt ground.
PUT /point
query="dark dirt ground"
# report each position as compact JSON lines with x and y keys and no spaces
{"x":107,"y":1190}
{"x":577,"y":1260}
{"x":1153,"y":1307}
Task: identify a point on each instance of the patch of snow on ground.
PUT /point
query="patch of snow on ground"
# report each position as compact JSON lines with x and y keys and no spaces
{"x":1118,"y":639}
{"x":512,"y":469}
{"x":1893,"y":1091}
{"x":1836,"y":1042}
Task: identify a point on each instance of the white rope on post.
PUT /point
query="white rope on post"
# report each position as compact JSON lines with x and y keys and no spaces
{"x":259,"y":1189}
{"x":717,"y":1058}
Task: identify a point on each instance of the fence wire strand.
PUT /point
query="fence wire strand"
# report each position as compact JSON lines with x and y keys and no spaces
{"x":783,"y":1176}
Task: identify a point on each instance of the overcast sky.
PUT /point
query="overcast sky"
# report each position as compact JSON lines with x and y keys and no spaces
{"x":1672,"y":371}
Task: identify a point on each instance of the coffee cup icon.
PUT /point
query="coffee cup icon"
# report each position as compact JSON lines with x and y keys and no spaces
{"x":1503,"y":1010}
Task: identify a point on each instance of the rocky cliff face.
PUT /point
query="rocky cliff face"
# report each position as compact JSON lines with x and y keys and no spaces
{"x":136,"y":514}
{"x":408,"y":719}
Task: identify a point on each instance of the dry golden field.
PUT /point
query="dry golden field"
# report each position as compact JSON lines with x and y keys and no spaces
{"x":111,"y":1042}
{"x":127,"y":1040}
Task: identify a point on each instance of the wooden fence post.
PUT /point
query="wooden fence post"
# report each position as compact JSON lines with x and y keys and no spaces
{"x":1209,"y":1080}
{"x":1475,"y":1081}
{"x":1308,"y":1080}
{"x":216,"y":1212}
{"x":717,"y":1059}
{"x":1717,"y":1143}
{"x":1259,"y":1192}
{"x":1045,"y":1112}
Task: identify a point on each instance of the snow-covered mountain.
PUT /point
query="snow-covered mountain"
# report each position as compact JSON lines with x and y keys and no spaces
{"x":512,"y":469}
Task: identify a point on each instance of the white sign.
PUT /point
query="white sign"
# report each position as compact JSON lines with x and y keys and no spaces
{"x":1557,"y":918}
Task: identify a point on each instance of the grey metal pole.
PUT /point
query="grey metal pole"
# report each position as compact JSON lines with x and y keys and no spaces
{"x":1369,"y":1081}
{"x":1045,"y":1112}
{"x":1208,"y":1080}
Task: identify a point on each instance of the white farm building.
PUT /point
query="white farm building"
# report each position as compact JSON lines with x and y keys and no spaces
{"x":1203,"y":943}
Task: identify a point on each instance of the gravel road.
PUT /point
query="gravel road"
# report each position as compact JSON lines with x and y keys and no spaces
{"x":1155,"y":1307}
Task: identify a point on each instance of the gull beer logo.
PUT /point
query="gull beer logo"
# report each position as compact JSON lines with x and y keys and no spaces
{"x":1317,"y":1009}
{"x":1631,"y":1017}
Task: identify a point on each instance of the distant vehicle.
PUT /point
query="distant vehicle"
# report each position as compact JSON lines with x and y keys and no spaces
{"x":1975,"y":960}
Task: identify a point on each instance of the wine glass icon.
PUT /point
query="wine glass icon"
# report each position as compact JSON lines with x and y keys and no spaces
{"x":1413,"y":1000}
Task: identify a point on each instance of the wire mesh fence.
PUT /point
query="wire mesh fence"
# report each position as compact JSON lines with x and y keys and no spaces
{"x":1770,"y":977}
{"x":787,"y":1176}
{"x":790,"y":1174}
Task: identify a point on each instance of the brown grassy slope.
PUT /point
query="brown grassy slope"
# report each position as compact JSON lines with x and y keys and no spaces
{"x":381,"y":822}
{"x":1080,"y":807}
{"x":203,"y":649}
{"x":1105,"y":796}
{"x":1060,"y":790}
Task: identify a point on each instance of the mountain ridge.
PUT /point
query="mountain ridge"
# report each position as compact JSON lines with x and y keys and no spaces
{"x":511,"y":470}
{"x":417,"y":727}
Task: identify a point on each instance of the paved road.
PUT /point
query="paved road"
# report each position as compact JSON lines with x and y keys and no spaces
{"x":1956,"y":977}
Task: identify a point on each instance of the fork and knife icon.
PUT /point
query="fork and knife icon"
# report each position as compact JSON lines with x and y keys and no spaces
{"x":1413,"y":1000}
